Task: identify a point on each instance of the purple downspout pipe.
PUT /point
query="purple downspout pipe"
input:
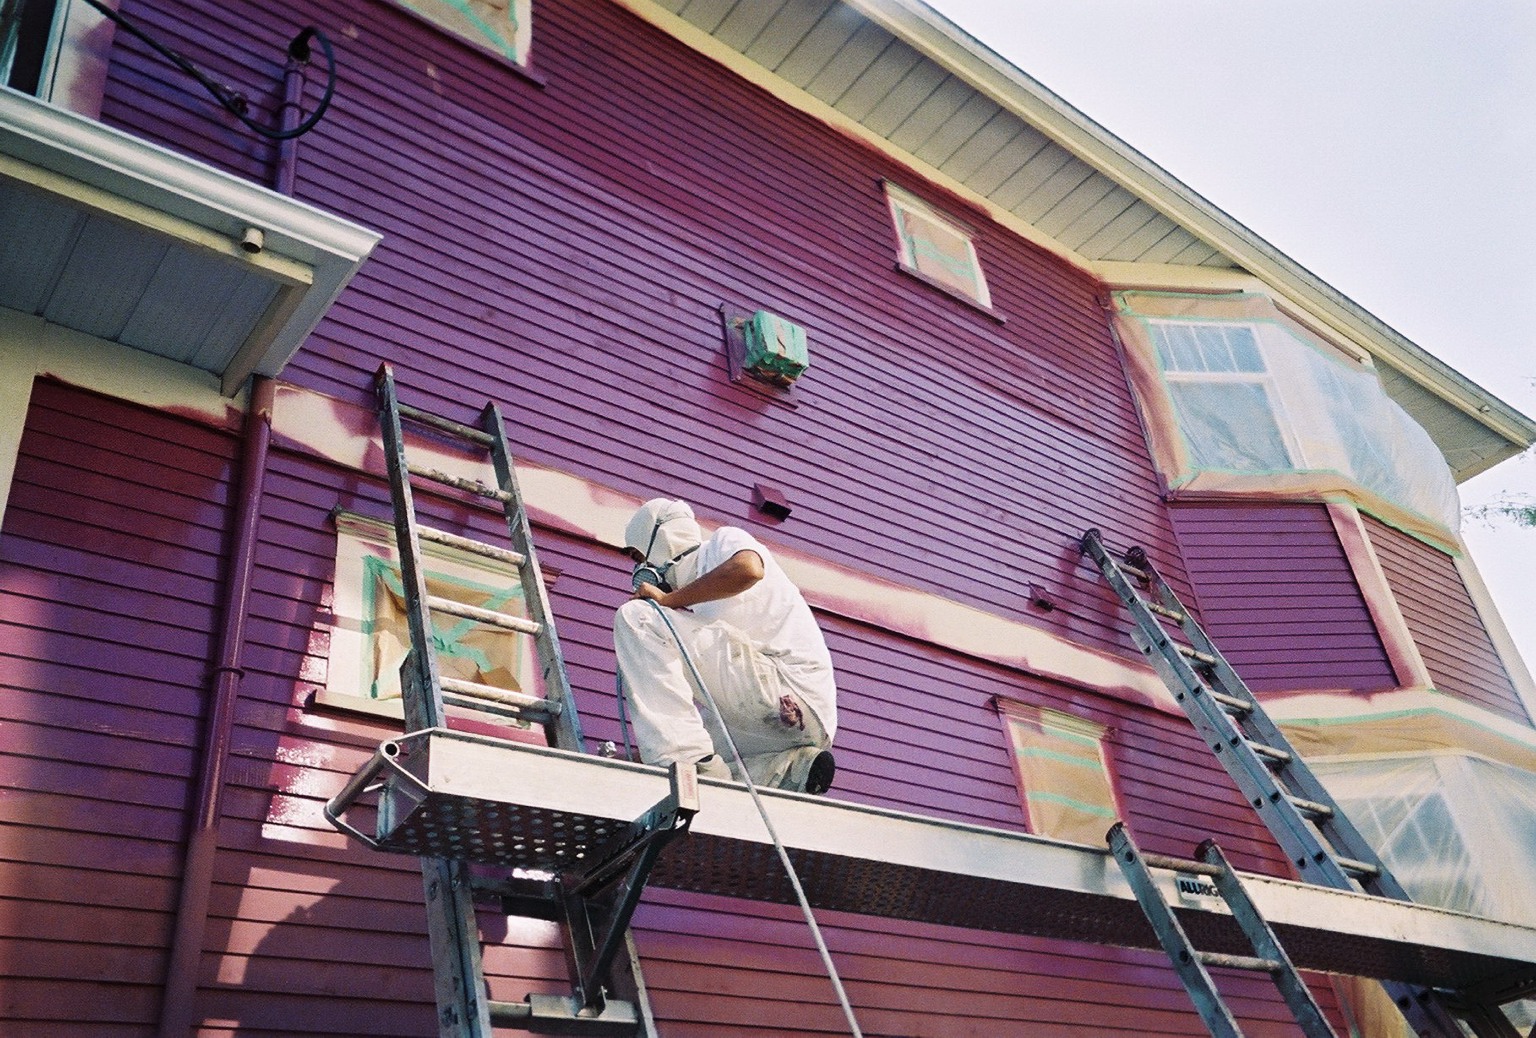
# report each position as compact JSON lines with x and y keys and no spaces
{"x":176,"y":1007}
{"x":288,"y":150}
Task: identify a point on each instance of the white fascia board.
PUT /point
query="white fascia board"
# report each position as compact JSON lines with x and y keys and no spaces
{"x":116,"y":163}
{"x":941,"y":40}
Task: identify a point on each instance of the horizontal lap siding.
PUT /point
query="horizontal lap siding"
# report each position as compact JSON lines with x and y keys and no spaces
{"x":571,"y":263}
{"x":1444,"y":622}
{"x":562,"y":251}
{"x":110,"y":576}
{"x":310,"y":933}
{"x":1277,"y":595}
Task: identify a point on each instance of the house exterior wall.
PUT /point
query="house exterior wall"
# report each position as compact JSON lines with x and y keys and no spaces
{"x":110,"y":576}
{"x":561,"y":244}
{"x":1444,"y":623}
{"x":1278,"y":594}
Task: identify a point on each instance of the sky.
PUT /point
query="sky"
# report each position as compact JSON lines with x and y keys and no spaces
{"x":1388,"y":147}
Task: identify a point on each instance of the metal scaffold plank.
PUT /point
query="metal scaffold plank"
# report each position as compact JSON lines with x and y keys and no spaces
{"x":544,"y":809}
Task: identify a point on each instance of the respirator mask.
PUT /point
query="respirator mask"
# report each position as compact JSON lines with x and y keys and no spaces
{"x":645,"y":573}
{"x":673,"y":536}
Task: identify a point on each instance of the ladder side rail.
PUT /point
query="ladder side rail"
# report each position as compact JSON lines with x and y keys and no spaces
{"x":565,"y":728}
{"x":1294,"y":774}
{"x":453,"y":932}
{"x":1292,"y":830}
{"x":1266,"y":945}
{"x":1171,"y":936}
{"x":425,"y":708}
{"x":1222,"y":733}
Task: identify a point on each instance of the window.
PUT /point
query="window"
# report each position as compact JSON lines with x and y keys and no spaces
{"x":1222,"y":396}
{"x":29,"y":42}
{"x":1063,"y":776}
{"x":503,"y":27}
{"x":369,"y":636}
{"x":935,"y":248}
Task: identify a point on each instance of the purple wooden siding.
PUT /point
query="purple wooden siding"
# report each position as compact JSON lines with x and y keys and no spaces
{"x":562,"y":250}
{"x":1444,"y":622}
{"x":110,"y":574}
{"x":1277,"y":595}
{"x":571,"y":264}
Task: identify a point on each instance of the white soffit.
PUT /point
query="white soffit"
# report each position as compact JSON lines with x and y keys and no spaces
{"x":907,"y":74}
{"x":121,"y":239}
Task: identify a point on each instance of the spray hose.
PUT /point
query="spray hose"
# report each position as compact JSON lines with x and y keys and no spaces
{"x":762,"y":810}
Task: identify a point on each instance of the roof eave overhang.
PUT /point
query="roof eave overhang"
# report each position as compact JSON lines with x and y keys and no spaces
{"x":931,"y":34}
{"x":310,"y":255}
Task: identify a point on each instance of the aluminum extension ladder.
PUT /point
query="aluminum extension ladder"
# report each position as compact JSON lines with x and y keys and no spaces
{"x":1311,"y":829}
{"x":464,"y":1008}
{"x":1269,"y":957}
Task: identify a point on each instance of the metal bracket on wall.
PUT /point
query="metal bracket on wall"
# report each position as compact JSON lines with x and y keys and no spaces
{"x":597,"y":903}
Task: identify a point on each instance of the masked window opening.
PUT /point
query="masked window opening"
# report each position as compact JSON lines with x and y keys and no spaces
{"x":1064,"y":781}
{"x":503,"y":27}
{"x":1241,"y":400}
{"x":370,"y":636}
{"x":936,"y":248}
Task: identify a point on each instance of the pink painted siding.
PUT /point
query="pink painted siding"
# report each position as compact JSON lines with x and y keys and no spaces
{"x":572,"y":265}
{"x":1277,"y":595}
{"x":110,"y":573}
{"x":1444,"y":622}
{"x":562,"y":250}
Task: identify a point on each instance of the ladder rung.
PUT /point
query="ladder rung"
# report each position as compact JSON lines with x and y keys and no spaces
{"x":1359,"y":868}
{"x":552,"y":1014}
{"x":1203,"y":658}
{"x":1136,"y":574}
{"x":1311,"y":807}
{"x":1267,"y":751}
{"x":471,"y":486}
{"x":1162,"y":610}
{"x":1232,"y":703}
{"x":474,"y":547}
{"x":459,"y":429}
{"x":484,"y":616}
{"x":472,"y":693}
{"x":1163,"y":861}
{"x":1240,"y":962}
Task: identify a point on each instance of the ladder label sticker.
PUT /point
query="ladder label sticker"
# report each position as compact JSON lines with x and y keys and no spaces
{"x":1195,"y":889}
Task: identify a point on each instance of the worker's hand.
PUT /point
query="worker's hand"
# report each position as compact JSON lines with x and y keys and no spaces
{"x":652,"y":592}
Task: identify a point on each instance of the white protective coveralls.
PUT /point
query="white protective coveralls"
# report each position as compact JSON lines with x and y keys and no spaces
{"x":759,"y":652}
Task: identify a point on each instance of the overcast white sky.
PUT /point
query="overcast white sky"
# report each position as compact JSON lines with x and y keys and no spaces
{"x":1388,"y":147}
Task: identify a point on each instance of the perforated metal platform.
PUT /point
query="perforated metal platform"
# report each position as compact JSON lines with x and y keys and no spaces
{"x":448,"y":794}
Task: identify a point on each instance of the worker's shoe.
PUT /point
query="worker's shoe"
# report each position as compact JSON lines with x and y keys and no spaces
{"x":713,"y":767}
{"x":807,"y":769}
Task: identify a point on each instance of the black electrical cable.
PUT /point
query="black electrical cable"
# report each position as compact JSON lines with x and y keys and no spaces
{"x":232,"y":100}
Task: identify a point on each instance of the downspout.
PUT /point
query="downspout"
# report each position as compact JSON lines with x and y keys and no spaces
{"x":185,"y":960}
{"x":293,"y":93}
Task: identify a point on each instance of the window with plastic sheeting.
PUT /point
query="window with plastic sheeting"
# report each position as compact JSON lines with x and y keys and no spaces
{"x":370,"y":637}
{"x":1455,"y":830}
{"x":1064,"y":779}
{"x":1241,"y":400}
{"x":1222,"y":395}
{"x":936,"y":248}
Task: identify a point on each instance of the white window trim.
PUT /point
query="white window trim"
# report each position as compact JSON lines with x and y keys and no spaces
{"x":358,"y":538}
{"x":899,"y":199}
{"x":1280,"y":406}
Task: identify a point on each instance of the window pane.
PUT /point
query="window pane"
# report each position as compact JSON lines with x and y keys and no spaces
{"x":1179,"y":347}
{"x":1229,"y":425}
{"x":1244,"y":348}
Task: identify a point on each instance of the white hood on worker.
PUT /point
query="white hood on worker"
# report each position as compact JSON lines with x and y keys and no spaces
{"x":665,"y":529}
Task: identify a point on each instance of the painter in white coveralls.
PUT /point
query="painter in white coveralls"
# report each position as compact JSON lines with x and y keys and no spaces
{"x":751,"y":638}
